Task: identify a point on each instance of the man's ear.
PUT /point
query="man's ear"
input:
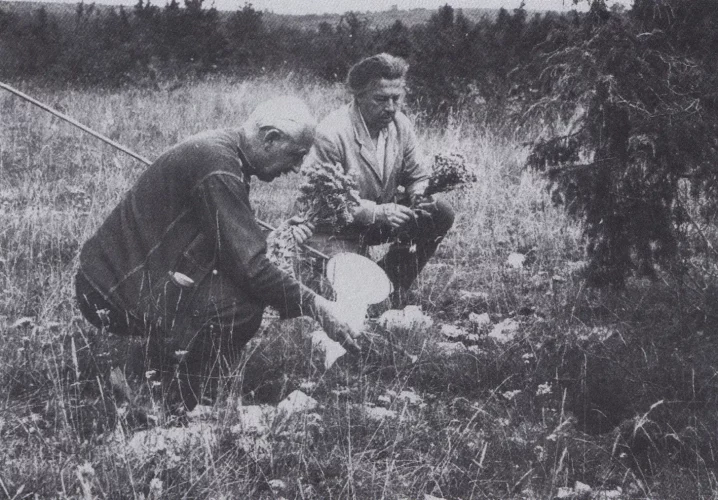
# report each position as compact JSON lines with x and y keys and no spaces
{"x":271,"y":135}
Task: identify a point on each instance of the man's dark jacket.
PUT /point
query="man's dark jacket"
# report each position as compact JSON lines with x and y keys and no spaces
{"x":188,"y":213}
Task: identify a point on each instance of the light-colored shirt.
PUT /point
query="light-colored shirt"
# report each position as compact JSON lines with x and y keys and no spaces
{"x":380,"y":145}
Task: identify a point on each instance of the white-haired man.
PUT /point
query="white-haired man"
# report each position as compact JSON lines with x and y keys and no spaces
{"x":181,"y":259}
{"x":375,"y":142}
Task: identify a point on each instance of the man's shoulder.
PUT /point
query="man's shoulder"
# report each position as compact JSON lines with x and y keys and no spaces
{"x":212,"y":148}
{"x":336,"y":122}
{"x":403,"y":122}
{"x":219,"y":140}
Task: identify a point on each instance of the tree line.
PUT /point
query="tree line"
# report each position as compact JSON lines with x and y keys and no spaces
{"x":626,"y":99}
{"x":453,"y":59}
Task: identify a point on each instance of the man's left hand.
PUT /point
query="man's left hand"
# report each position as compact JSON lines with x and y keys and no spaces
{"x":301,"y":229}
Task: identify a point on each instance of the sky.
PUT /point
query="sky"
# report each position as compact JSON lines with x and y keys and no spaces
{"x":339,"y":6}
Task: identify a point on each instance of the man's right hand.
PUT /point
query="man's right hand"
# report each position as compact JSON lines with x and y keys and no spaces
{"x":337,"y":329}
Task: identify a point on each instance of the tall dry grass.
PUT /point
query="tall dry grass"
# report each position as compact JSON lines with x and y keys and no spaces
{"x":473,"y":418}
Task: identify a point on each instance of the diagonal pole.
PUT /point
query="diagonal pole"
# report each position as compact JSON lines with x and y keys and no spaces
{"x":75,"y":123}
{"x":122,"y":148}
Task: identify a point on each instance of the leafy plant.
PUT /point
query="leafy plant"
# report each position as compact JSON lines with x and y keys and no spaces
{"x":629,"y":121}
{"x":328,"y":195}
{"x":327,"y":198}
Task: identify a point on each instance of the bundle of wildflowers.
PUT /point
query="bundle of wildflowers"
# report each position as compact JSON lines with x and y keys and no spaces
{"x":328,"y":195}
{"x":449,"y":172}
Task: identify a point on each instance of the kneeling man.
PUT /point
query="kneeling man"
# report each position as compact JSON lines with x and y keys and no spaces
{"x":181,"y":259}
{"x":376,"y":143}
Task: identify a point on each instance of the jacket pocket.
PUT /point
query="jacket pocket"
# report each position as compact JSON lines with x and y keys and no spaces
{"x":168,"y":292}
{"x":197,"y":259}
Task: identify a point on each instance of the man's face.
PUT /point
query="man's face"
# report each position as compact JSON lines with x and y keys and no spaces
{"x":379,"y":104}
{"x":281,"y":154}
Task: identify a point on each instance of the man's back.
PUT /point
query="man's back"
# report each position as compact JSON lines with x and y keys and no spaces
{"x":158,"y":220}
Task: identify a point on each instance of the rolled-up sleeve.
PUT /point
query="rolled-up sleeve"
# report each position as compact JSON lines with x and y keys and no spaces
{"x":224,"y":207}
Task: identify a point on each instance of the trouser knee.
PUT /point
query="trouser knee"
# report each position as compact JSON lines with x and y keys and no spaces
{"x":442,"y":216}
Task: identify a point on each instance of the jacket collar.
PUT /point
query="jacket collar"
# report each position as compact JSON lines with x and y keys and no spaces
{"x":367,"y":150}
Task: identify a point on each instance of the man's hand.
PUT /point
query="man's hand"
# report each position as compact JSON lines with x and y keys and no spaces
{"x":394,"y":215}
{"x":423,"y":205}
{"x":301,"y":229}
{"x":334,"y":326}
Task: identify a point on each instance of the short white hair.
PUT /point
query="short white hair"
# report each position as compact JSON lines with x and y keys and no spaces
{"x":288,"y":114}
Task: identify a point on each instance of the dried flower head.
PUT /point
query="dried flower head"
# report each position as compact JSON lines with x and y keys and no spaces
{"x":449,"y":172}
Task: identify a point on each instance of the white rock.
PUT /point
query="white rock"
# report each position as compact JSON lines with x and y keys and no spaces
{"x":416,"y":318}
{"x":453,"y":332}
{"x":581,"y":488}
{"x":505,"y":331}
{"x":411,"y":397}
{"x":468,"y":295}
{"x":254,"y":419}
{"x":607,"y":494}
{"x":431,"y":497}
{"x":516,"y":260}
{"x":480,"y":320}
{"x":173,"y":442}
{"x":408,"y":319}
{"x":565,"y":492}
{"x":449,"y":348}
{"x":200,"y":412}
{"x":378,"y":413}
{"x":277,"y":484}
{"x":297,"y":402}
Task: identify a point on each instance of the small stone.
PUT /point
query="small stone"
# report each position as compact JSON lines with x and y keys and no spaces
{"x":277,"y":485}
{"x":297,"y":402}
{"x":581,"y":488}
{"x":480,"y":320}
{"x":449,"y":348}
{"x":505,"y":331}
{"x":516,"y":260}
{"x":453,"y":332}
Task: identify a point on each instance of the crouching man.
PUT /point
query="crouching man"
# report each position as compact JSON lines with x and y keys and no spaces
{"x":181,"y":259}
{"x":376,"y":143}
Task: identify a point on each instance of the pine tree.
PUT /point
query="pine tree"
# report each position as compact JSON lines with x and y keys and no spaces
{"x":631,"y":119}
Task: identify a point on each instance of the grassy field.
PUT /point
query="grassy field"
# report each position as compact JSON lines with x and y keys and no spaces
{"x":559,"y":392}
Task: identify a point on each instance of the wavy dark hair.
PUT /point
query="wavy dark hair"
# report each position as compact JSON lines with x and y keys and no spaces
{"x":374,"y":68}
